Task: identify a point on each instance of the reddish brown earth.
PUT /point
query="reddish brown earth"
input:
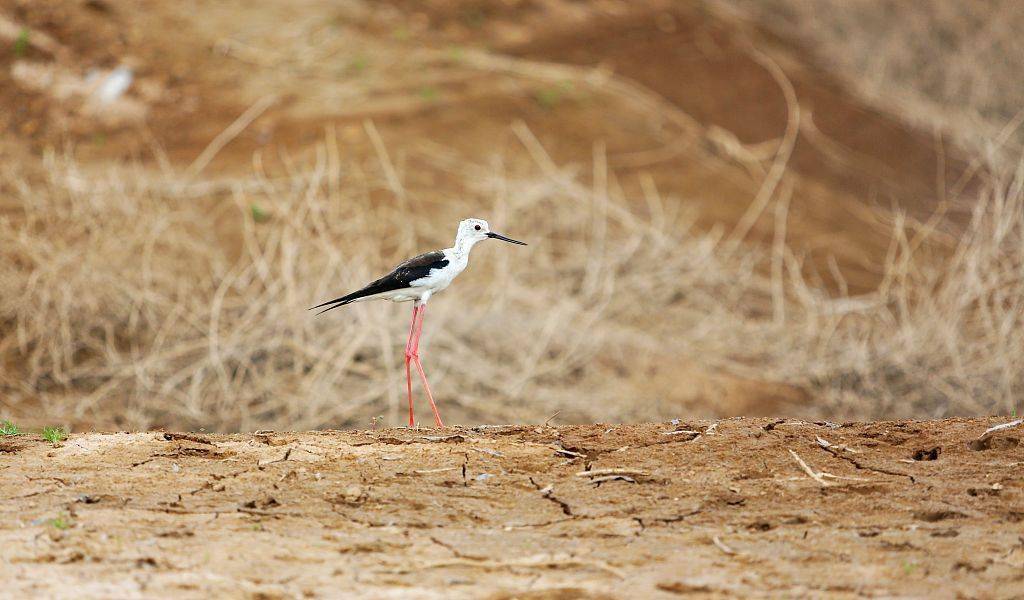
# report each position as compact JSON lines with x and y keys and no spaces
{"x":909,"y":509}
{"x":200,"y":67}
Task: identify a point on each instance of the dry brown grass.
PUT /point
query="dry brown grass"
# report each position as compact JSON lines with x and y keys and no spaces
{"x":140,"y":301}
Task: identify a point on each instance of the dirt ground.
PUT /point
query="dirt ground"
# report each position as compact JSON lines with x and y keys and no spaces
{"x":703,"y":509}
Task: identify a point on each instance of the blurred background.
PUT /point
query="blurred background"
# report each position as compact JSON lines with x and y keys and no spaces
{"x":809,"y":208}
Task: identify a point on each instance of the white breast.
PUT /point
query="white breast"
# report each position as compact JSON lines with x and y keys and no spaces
{"x":439,"y":279}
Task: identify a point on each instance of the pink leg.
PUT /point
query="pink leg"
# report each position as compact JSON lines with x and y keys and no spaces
{"x":419,"y":367}
{"x":408,"y":358}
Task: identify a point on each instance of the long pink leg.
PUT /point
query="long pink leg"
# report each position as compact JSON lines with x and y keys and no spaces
{"x":419,"y":366}
{"x":408,"y":358}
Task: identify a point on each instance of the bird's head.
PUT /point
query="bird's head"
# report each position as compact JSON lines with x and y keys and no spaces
{"x":475,"y":230}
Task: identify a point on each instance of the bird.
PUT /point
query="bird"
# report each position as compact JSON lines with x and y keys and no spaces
{"x":416,"y":280}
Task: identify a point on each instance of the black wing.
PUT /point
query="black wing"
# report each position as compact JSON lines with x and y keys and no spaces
{"x":400,"y":278}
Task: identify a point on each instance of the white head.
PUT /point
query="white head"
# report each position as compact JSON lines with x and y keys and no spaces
{"x":472,"y":231}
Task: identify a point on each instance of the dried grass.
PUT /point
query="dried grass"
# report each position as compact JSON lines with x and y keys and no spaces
{"x":140,"y":301}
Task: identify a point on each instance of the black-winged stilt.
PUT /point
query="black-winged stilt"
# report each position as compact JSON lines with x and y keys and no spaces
{"x":418,"y":279}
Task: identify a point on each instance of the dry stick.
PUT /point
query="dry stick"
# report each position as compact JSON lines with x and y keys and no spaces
{"x":810,"y":472}
{"x":439,"y":470}
{"x":781,"y":160}
{"x":778,"y":256}
{"x":823,"y":474}
{"x":613,"y":471}
{"x":390,"y":174}
{"x":997,"y":428}
{"x":599,"y":223}
{"x":551,"y":418}
{"x":543,"y":562}
{"x":231,"y":132}
{"x":721,"y":546}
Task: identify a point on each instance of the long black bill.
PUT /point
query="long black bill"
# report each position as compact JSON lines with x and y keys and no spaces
{"x":505,"y":239}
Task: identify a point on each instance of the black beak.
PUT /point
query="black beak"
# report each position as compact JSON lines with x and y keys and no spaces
{"x":505,"y":239}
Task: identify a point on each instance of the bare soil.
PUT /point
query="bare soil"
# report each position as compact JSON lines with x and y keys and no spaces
{"x":704,"y":509}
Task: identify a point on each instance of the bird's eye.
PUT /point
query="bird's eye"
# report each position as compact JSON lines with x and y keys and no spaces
{"x":477,"y":228}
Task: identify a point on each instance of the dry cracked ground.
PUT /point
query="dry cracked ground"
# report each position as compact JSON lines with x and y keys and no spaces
{"x":739,"y":507}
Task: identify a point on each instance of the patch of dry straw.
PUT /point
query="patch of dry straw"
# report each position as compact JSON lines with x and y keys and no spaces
{"x":136,"y":301}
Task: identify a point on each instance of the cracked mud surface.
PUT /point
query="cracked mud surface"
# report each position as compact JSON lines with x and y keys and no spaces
{"x":596,"y":511}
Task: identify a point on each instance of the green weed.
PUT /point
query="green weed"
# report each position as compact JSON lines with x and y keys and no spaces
{"x":456,"y":53}
{"x":61,"y":522}
{"x":7,"y":429}
{"x":258,"y":213}
{"x":54,"y":435}
{"x":550,"y":97}
{"x":21,"y":43}
{"x":358,"y":64}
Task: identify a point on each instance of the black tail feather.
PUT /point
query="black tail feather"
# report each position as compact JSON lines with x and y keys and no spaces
{"x":332,"y":304}
{"x":332,"y":307}
{"x":346,"y":299}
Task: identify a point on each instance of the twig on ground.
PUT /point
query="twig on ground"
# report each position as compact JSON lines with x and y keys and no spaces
{"x":810,"y":472}
{"x":599,"y":480}
{"x":541,"y":561}
{"x":443,"y":438}
{"x":830,"y":446}
{"x":568,"y":453}
{"x":440,"y":470}
{"x":604,"y":472}
{"x":820,"y":477}
{"x":721,"y":546}
{"x":997,"y":428}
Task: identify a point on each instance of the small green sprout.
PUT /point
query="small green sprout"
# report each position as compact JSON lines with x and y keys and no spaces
{"x":259,"y":214}
{"x":429,"y":93}
{"x":550,"y":97}
{"x":358,"y":64}
{"x":54,"y":435}
{"x":456,"y":53}
{"x":21,"y":43}
{"x":62,"y":522}
{"x":7,"y":429}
